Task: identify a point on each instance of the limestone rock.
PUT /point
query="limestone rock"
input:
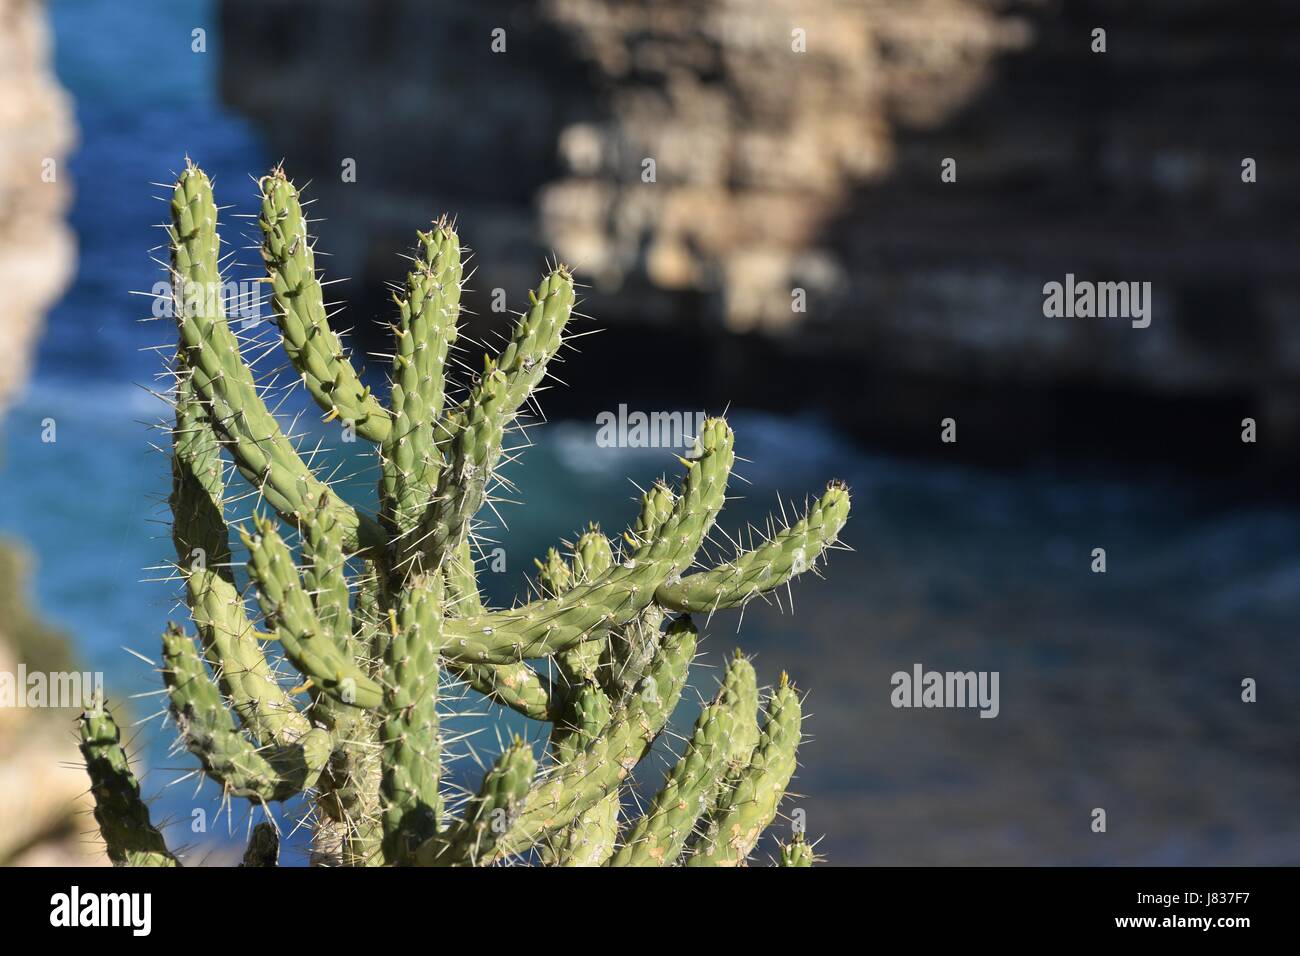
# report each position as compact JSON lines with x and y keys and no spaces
{"x":36,"y":132}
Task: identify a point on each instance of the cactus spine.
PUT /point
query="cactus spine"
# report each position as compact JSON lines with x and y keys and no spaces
{"x":374,"y":613}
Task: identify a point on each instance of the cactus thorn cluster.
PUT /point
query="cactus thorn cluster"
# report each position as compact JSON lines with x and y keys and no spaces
{"x":378,"y":610}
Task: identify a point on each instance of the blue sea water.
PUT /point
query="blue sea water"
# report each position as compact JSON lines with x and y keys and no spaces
{"x":1119,"y":690}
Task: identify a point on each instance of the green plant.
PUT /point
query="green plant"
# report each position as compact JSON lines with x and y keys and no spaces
{"x":378,"y":610}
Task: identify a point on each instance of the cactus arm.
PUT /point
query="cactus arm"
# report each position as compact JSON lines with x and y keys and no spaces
{"x":553,"y":574}
{"x":272,"y":773}
{"x":433,"y":296}
{"x":197,"y":499}
{"x":740,"y":694}
{"x":656,"y":511}
{"x":411,"y":756}
{"x":797,"y":852}
{"x":475,"y":447}
{"x":536,"y":339}
{"x":299,"y":309}
{"x":592,"y":557}
{"x":490,"y":814}
{"x":544,"y":628}
{"x":657,"y":838}
{"x":516,"y":686}
{"x":349,"y":796}
{"x":629,"y":650}
{"x":739,"y":699}
{"x":589,"y":840}
{"x":587,"y":713}
{"x":263,"y":847}
{"x":307,"y":643}
{"x":585,"y":710}
{"x":578,"y":785}
{"x":425,"y":331}
{"x":325,"y":578}
{"x":129,"y":835}
{"x":349,"y":786}
{"x":462,"y":583}
{"x":789,"y":553}
{"x":232,"y":645}
{"x":230,"y":642}
{"x":224,"y":383}
{"x":746,"y":810}
{"x":581,"y":710}
{"x":462,"y":484}
{"x":619,"y":595}
{"x":581,"y":663}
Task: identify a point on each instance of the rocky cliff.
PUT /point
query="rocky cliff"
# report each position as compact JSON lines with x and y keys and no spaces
{"x":42,"y":797}
{"x":36,"y":246}
{"x":796,"y":209}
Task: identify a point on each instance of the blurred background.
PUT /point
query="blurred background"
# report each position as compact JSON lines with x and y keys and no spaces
{"x":777,"y":171}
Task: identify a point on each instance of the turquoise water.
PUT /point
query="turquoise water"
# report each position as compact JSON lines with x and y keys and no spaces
{"x":1117,"y":690}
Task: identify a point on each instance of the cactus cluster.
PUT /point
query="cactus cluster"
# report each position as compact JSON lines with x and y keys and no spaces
{"x":379,"y":612}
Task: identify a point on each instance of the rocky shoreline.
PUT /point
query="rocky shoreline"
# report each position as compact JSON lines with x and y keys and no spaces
{"x":798,"y":216}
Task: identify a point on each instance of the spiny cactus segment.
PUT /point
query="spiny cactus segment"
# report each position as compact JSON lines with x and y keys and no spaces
{"x":375,"y":613}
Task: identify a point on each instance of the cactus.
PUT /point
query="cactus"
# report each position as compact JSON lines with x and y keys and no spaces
{"x":375,"y":609}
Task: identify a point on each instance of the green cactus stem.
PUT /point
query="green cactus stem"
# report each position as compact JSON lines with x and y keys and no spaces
{"x":299,"y":308}
{"x":745,"y":809}
{"x":490,"y":815}
{"x":657,"y":838}
{"x":129,"y":836}
{"x":332,"y":697}
{"x":797,"y":852}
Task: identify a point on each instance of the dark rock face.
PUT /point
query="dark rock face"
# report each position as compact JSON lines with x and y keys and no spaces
{"x":798,"y":228}
{"x":433,"y":119}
